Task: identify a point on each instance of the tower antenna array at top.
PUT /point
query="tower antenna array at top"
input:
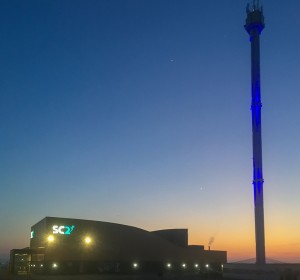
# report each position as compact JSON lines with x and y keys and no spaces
{"x":255,"y":6}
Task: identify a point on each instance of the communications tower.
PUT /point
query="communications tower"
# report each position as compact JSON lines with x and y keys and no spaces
{"x":254,"y":26}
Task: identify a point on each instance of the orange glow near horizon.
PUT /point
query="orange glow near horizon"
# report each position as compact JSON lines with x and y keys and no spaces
{"x":240,"y":244}
{"x":239,"y":249}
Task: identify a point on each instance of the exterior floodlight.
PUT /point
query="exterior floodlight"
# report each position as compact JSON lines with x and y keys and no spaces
{"x":87,"y":240}
{"x":169,"y":265}
{"x":207,"y":265}
{"x":42,"y":265}
{"x":50,"y":238}
{"x":184,"y":265}
{"x":196,"y":265}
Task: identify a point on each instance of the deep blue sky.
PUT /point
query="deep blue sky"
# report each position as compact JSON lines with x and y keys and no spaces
{"x":138,"y":112}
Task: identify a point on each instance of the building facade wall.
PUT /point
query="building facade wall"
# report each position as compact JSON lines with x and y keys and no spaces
{"x":112,"y":247}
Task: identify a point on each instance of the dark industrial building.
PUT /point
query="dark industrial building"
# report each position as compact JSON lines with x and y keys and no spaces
{"x":62,"y":245}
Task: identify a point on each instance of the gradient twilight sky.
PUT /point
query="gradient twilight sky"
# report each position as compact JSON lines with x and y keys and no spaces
{"x":138,"y":112}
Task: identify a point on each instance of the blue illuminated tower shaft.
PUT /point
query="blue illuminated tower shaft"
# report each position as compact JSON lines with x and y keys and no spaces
{"x":254,"y":26}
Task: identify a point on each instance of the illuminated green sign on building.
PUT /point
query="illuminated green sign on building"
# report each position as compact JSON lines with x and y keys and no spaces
{"x":62,"y":229}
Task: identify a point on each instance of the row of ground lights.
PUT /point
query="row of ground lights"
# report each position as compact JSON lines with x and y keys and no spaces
{"x":169,"y":265}
{"x":136,"y":265}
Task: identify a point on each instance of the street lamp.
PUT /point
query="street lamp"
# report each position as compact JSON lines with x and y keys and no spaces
{"x":135,"y":265}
